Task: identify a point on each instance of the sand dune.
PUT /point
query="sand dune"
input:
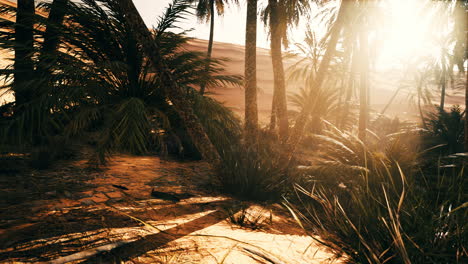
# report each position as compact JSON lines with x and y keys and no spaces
{"x":383,"y":84}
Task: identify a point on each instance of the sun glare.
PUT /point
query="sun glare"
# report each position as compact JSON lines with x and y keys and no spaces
{"x":410,"y":31}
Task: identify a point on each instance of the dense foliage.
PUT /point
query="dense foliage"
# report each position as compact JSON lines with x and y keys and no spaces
{"x":98,"y":86}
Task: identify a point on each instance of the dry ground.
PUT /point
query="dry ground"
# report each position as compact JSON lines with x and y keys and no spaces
{"x":71,"y":214}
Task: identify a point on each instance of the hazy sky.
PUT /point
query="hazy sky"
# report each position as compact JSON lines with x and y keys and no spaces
{"x":229,"y":28}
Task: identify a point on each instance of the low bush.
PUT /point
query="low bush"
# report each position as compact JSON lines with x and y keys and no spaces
{"x":256,"y":172}
{"x":380,"y":206}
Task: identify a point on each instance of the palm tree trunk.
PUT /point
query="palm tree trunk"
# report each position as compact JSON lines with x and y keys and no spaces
{"x":210,"y":44}
{"x":421,"y":114}
{"x":251,"y":111}
{"x":301,"y":121}
{"x":466,"y":113}
{"x":349,"y":90}
{"x":24,"y":50}
{"x":443,"y":84}
{"x":349,"y":93}
{"x":55,"y":19}
{"x":279,"y":93}
{"x":174,"y":92}
{"x":273,"y":113}
{"x":52,"y":33}
{"x":363,"y":90}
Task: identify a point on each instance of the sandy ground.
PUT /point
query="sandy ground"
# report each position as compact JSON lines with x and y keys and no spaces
{"x":71,"y":214}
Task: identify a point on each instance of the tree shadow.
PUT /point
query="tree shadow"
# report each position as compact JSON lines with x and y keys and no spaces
{"x":84,"y":228}
{"x":155,"y":241}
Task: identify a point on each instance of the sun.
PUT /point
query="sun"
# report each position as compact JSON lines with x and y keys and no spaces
{"x":412,"y":30}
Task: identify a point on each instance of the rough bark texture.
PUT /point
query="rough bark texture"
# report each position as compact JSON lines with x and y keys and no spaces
{"x":210,"y":44}
{"x":279,"y":105}
{"x":363,"y":88}
{"x":23,"y":63}
{"x":174,"y":92}
{"x":298,"y":129}
{"x":251,"y":111}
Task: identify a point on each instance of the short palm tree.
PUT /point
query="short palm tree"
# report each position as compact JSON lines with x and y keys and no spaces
{"x":102,"y":86}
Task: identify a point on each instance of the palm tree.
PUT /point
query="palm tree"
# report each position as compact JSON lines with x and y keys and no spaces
{"x":99,"y":82}
{"x":206,"y":10}
{"x":24,"y":50}
{"x":52,"y":32}
{"x":251,"y":111}
{"x":334,"y":34}
{"x":170,"y":86}
{"x":279,"y":15}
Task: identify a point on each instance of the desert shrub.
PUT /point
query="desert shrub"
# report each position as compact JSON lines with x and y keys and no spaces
{"x":373,"y":203}
{"x":446,"y":127}
{"x":342,"y":158}
{"x":255,"y":172}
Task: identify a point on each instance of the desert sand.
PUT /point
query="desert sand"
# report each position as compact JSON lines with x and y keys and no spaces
{"x":70,"y":214}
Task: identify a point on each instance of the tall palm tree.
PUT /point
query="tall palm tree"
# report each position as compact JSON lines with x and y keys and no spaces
{"x":251,"y":111}
{"x":24,"y":50}
{"x":279,"y":15}
{"x":206,"y":10}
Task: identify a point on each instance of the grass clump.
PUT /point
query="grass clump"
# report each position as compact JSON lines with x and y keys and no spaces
{"x":446,"y":128}
{"x":380,"y":206}
{"x":255,"y":172}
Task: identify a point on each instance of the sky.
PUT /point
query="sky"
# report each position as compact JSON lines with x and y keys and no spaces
{"x":229,"y":28}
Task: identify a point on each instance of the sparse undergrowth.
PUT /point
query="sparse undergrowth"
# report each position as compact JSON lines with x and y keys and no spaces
{"x":377,"y":207}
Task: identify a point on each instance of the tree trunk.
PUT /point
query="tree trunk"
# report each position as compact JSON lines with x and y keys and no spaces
{"x":363,"y":88}
{"x":466,"y":113}
{"x":52,"y":34}
{"x":443,"y":84}
{"x":349,"y":90}
{"x":421,"y":114}
{"x":298,"y":129}
{"x":279,"y":108}
{"x":349,"y":93}
{"x":273,"y":113}
{"x":54,"y":21}
{"x":251,"y":111}
{"x":24,"y":50}
{"x":210,"y":45}
{"x":174,"y":92}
